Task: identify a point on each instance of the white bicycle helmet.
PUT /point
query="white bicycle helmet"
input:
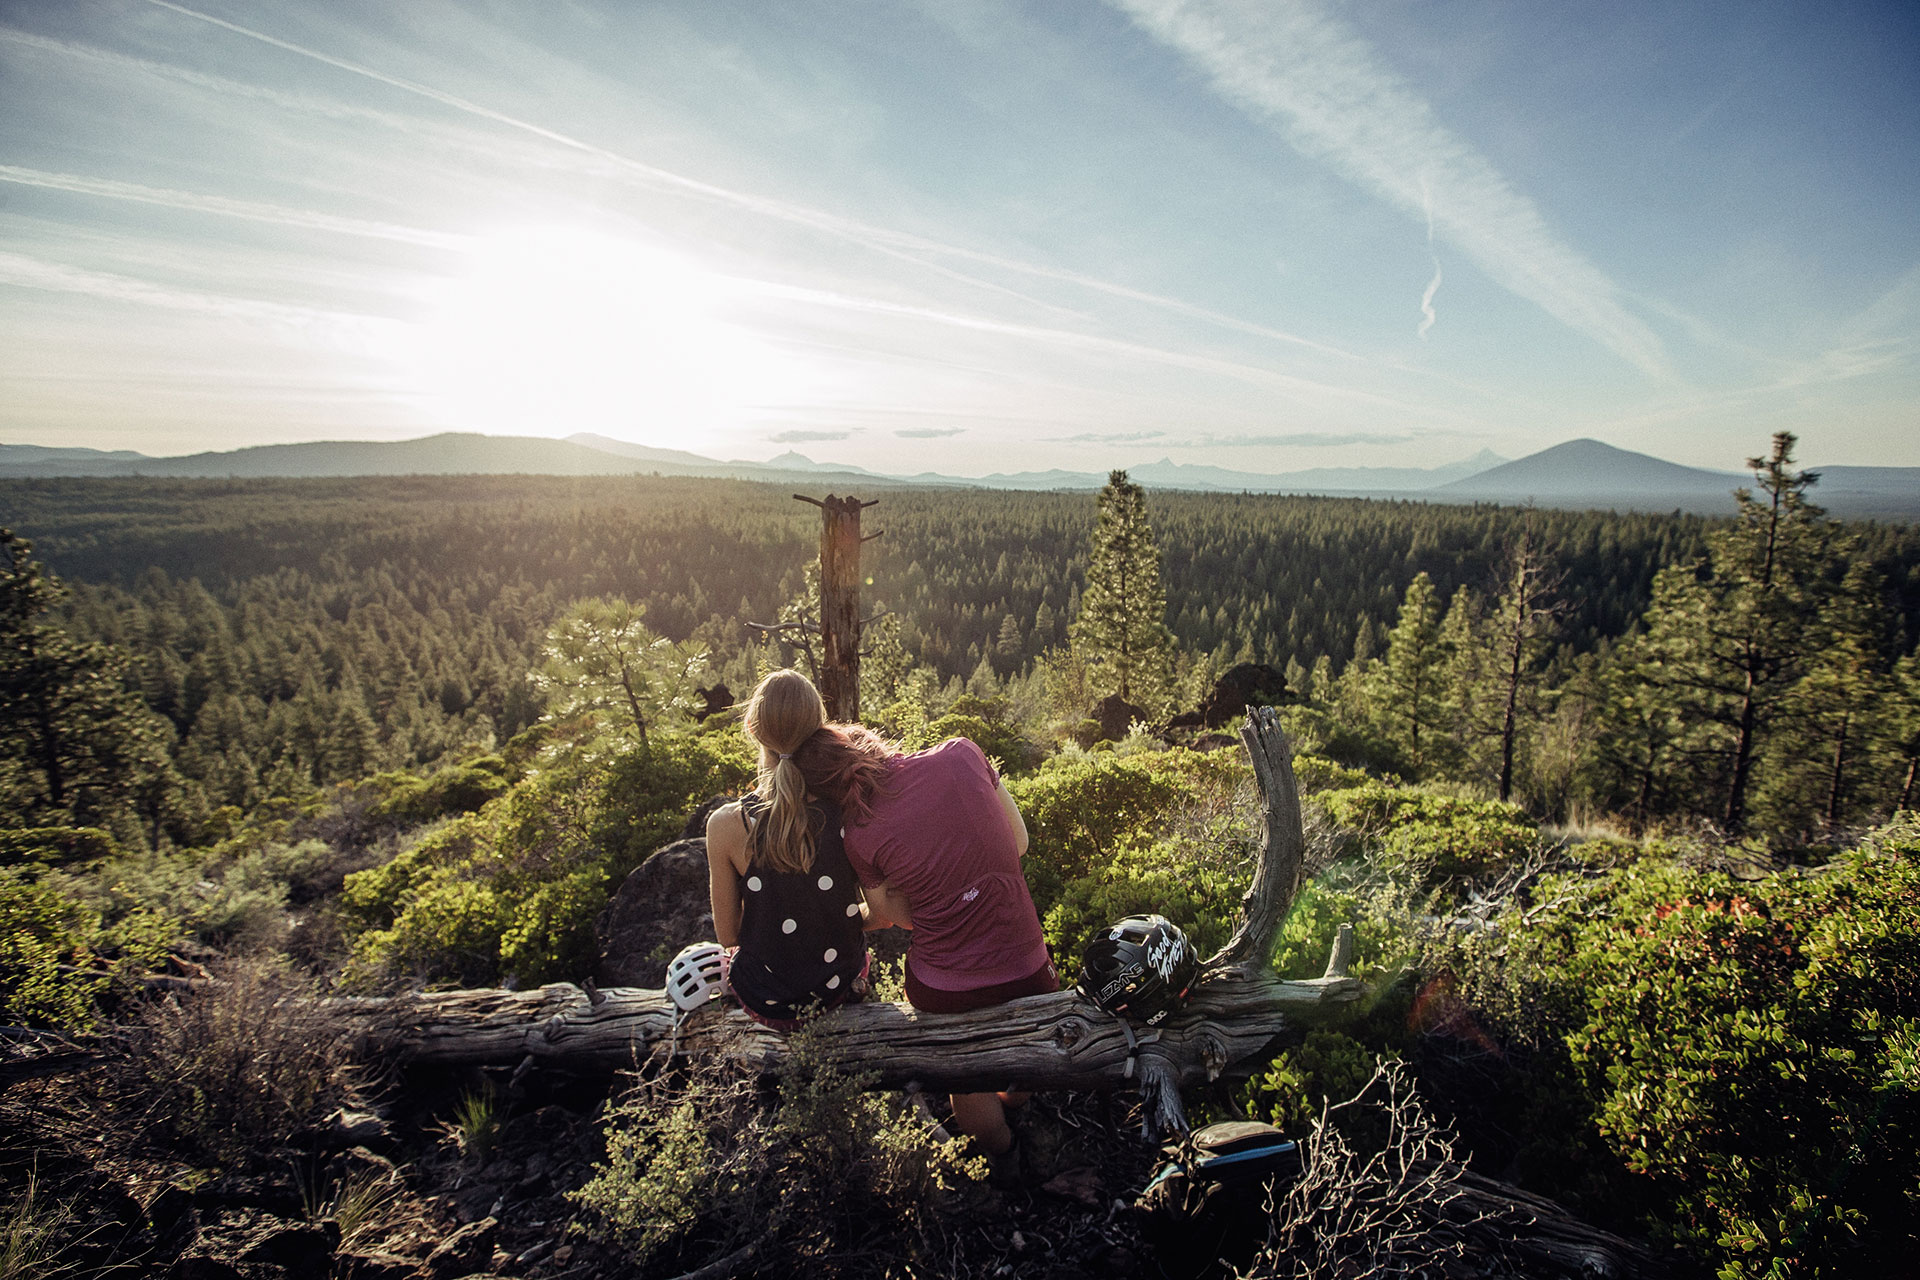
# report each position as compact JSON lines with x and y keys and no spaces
{"x":693,"y":976}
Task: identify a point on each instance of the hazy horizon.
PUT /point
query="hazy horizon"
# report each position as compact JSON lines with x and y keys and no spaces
{"x":982,"y":239}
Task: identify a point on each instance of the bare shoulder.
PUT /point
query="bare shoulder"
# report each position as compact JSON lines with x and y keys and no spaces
{"x":726,"y":820}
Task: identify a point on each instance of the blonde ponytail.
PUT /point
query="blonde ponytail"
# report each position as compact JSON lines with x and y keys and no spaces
{"x":784,"y":712}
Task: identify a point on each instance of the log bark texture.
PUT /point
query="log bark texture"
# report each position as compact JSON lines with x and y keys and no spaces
{"x":1058,"y":1041}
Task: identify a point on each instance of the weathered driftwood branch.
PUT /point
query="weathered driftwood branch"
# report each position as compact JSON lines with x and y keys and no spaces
{"x":1058,"y":1041}
{"x":1283,"y":842}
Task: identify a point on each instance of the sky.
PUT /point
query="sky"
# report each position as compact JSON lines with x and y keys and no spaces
{"x":966,"y":236}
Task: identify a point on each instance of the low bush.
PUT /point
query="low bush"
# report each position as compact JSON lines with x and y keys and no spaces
{"x":1439,"y":836}
{"x":1083,"y":811}
{"x":59,"y":955}
{"x":55,"y":846}
{"x":1730,"y":1061}
{"x":1755,"y":1051}
{"x":707,"y":1165}
{"x":512,"y":890}
{"x":1202,"y":899}
{"x":457,"y":789}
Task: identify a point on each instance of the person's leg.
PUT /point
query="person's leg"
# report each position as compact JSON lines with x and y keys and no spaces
{"x":981,"y":1117}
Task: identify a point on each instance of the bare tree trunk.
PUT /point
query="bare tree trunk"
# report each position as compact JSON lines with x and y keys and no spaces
{"x":1736,"y":811}
{"x":840,"y":626}
{"x":1838,"y":771}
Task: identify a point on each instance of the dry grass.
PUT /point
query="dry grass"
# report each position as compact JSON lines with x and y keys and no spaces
{"x":237,"y":1064}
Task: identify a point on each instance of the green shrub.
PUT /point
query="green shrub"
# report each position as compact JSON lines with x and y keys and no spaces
{"x":41,"y":930}
{"x":1755,"y":1051}
{"x":1327,"y":1065}
{"x":1732,"y":1062}
{"x":648,"y":795}
{"x":461,"y":788}
{"x":1082,"y":810}
{"x":1202,"y":899}
{"x":59,"y":955}
{"x":55,"y":846}
{"x":1381,"y":913}
{"x":1002,"y":743}
{"x":1317,"y":773}
{"x":1440,"y":835}
{"x":514,"y":888}
{"x":449,"y":931}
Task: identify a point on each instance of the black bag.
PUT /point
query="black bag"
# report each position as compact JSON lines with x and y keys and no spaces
{"x":1205,"y":1211}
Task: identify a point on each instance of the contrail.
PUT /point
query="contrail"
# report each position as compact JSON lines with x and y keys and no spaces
{"x":248,"y":209}
{"x":1427,"y":314}
{"x":24,"y":272}
{"x":1086,"y":342}
{"x":1310,"y":76}
{"x":880,"y":240}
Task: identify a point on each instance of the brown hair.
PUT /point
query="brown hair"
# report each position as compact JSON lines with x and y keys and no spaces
{"x":847,"y":764}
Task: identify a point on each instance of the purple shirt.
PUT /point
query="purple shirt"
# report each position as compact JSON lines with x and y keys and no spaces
{"x":940,"y":835}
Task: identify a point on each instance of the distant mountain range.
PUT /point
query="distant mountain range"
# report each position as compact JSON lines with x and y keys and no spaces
{"x":1578,"y":473}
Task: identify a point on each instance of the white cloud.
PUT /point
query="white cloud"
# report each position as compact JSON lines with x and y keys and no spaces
{"x":1302,"y":70}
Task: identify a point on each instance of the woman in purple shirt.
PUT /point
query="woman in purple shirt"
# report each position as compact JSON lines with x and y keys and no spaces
{"x":936,"y":841}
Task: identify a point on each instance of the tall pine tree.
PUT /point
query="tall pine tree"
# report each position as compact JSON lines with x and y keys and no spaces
{"x":1727,"y":641}
{"x":1120,"y":633}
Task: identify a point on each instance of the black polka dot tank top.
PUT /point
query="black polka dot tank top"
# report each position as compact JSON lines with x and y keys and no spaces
{"x":801,"y":940}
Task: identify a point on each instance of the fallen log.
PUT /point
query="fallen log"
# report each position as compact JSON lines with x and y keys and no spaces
{"x":1059,"y":1041}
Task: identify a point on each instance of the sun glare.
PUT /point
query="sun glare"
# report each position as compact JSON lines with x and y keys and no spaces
{"x":554,"y":331}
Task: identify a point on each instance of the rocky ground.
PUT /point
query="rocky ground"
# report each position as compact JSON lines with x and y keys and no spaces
{"x":389,"y":1192}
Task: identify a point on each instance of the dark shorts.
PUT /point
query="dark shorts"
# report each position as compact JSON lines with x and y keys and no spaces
{"x":856,"y":990}
{"x":927,"y":999}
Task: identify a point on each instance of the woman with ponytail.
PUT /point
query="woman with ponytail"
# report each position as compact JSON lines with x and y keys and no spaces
{"x":786,"y":902}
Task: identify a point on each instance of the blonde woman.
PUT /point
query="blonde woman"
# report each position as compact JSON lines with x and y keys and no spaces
{"x":786,"y":902}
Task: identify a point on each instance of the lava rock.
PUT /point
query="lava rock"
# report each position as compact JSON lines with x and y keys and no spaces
{"x":1247,"y":684}
{"x":304,"y":1250}
{"x":662,"y":906}
{"x":1116,"y":715}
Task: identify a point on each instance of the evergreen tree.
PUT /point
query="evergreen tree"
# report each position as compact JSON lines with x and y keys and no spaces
{"x":1120,"y":632}
{"x":1816,"y":766}
{"x":1009,"y":643}
{"x":75,"y":744}
{"x":1902,"y":729}
{"x":1409,"y":688}
{"x":600,"y":657}
{"x":1513,"y":642}
{"x":1728,"y":640}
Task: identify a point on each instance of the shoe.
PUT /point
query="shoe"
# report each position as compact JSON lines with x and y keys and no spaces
{"x":1007,"y":1170}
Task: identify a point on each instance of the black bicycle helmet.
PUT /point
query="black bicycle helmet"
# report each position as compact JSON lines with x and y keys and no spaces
{"x":1140,"y":968}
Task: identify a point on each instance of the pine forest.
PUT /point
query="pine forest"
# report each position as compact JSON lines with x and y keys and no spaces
{"x":1620,"y":809}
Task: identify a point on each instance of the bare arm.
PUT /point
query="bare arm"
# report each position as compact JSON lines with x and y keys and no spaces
{"x":726,"y":854}
{"x":885,"y":906}
{"x":1018,"y":823}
